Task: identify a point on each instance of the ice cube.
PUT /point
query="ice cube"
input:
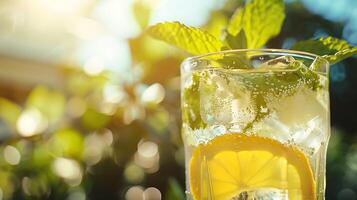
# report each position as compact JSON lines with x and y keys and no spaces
{"x":225,"y":100}
{"x":323,"y":94}
{"x":195,"y":137}
{"x":262,"y":194}
{"x":272,"y":127}
{"x":312,"y":135}
{"x":243,"y":110}
{"x":215,"y":99}
{"x":298,"y":108}
{"x":282,"y":62}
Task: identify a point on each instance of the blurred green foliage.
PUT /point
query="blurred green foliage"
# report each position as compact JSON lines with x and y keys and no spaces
{"x":98,"y":135}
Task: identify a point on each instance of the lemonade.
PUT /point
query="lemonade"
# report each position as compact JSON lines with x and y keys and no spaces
{"x":255,"y":125}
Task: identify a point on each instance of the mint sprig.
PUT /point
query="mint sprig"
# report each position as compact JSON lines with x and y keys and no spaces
{"x":332,"y":49}
{"x":250,"y":27}
{"x":191,"y":39}
{"x":260,"y":20}
{"x":238,"y":41}
{"x":191,"y":106}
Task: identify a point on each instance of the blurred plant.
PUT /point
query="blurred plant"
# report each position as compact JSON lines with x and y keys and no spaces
{"x":58,"y":135}
{"x":106,"y":137}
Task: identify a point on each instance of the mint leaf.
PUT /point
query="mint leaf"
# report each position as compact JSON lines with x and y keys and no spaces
{"x":332,"y":49}
{"x":191,"y":108}
{"x":193,"y":40}
{"x":238,"y":41}
{"x":260,"y":19}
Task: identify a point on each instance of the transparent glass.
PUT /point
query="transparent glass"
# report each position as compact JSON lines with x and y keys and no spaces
{"x":256,"y":125}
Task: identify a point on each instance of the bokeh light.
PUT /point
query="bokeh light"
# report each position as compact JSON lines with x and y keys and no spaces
{"x":94,"y":66}
{"x":347,"y":194}
{"x":133,"y":173}
{"x":69,"y":170}
{"x":152,"y":193}
{"x":113,"y":94}
{"x":147,"y":156}
{"x":147,"y":149}
{"x":155,"y":93}
{"x":352,"y":158}
{"x":95,"y":145}
{"x":77,"y":195}
{"x":12,"y":155}
{"x":31,"y":122}
{"x":76,"y":107}
{"x":134,"y":193}
{"x":26,"y":184}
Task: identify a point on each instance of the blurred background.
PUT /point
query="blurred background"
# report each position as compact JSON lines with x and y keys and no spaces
{"x":90,"y":105}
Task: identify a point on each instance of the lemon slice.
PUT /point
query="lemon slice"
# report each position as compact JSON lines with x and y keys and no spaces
{"x":232,"y":164}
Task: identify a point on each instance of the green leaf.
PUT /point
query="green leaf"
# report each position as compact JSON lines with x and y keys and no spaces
{"x":238,"y":41}
{"x":191,"y":109}
{"x":332,"y":49}
{"x":260,"y":19}
{"x":190,"y":39}
{"x":174,"y":191}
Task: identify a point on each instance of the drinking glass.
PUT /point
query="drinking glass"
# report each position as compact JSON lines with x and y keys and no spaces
{"x":256,"y":124}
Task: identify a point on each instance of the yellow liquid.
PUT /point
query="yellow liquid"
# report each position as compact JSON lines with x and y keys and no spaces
{"x":236,"y":166}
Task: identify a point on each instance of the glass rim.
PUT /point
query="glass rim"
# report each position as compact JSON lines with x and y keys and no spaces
{"x":268,"y":51}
